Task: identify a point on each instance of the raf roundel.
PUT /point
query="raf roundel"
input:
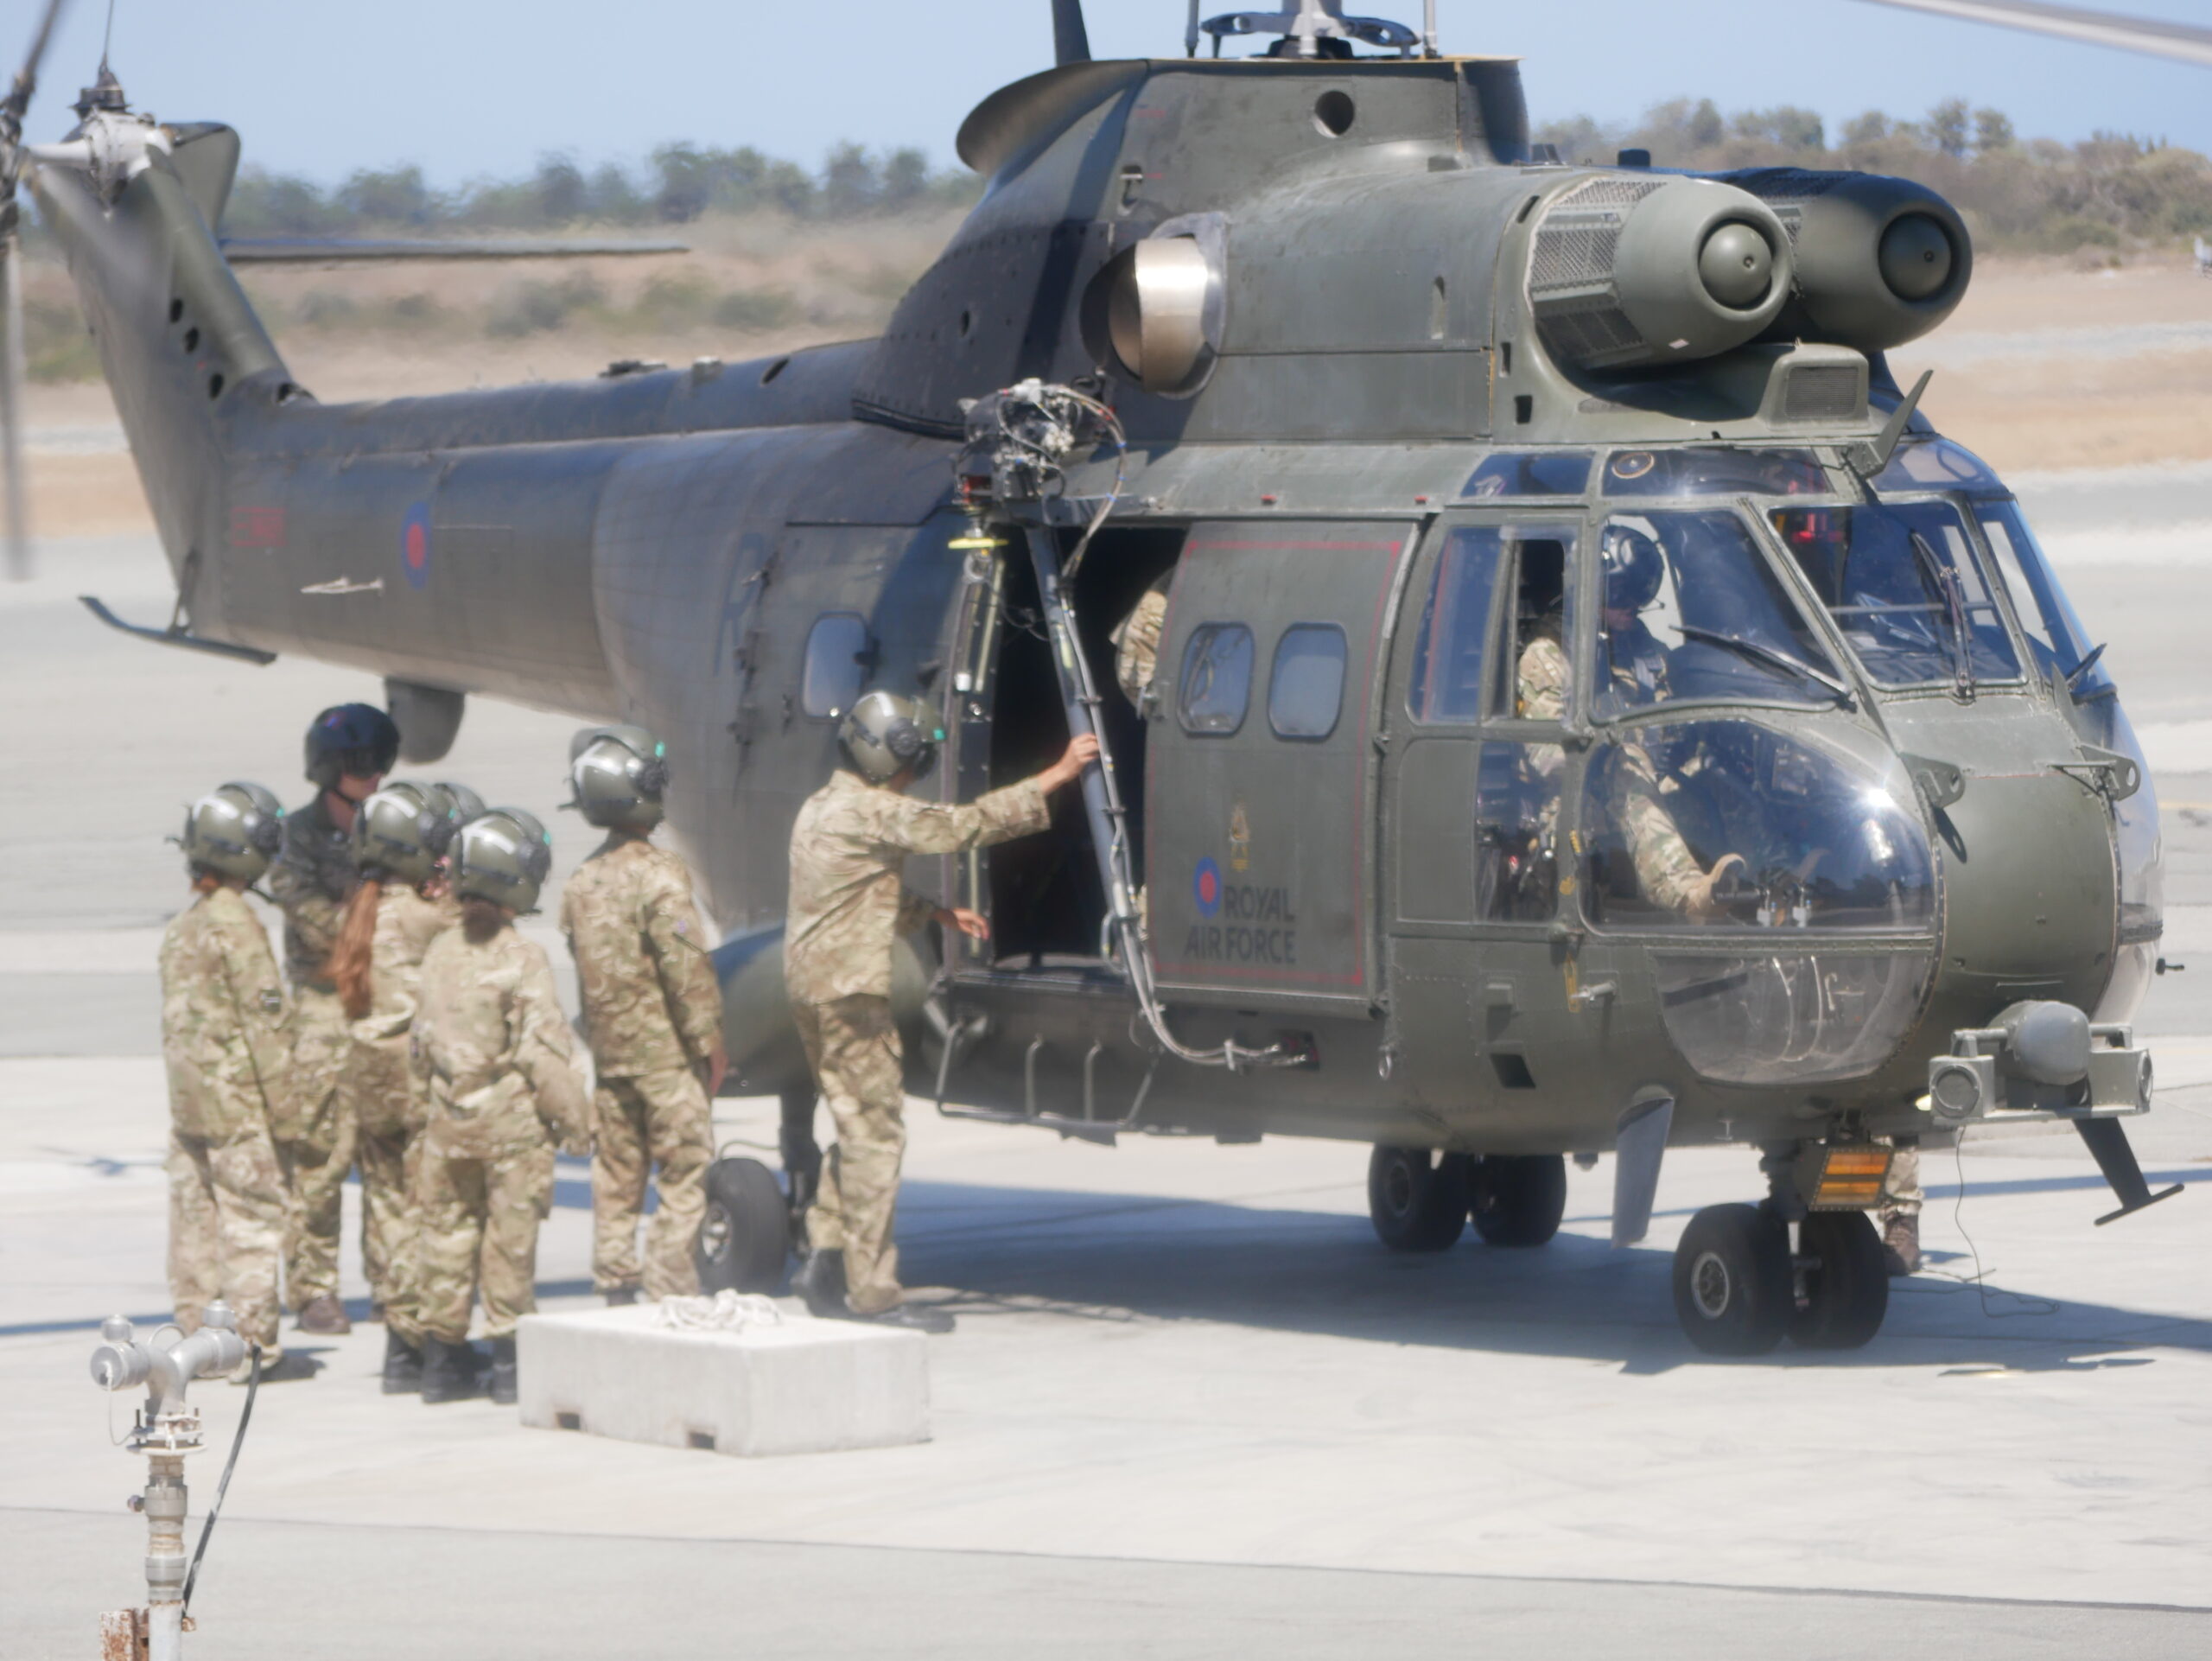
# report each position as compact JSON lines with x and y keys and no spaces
{"x":414,"y":545}
{"x":1205,"y":887}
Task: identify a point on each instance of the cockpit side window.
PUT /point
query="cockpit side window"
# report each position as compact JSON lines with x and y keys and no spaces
{"x":1904,"y":585}
{"x":1452,"y":642}
{"x":2055,"y":637}
{"x":1535,"y":680}
{"x":1692,"y":611}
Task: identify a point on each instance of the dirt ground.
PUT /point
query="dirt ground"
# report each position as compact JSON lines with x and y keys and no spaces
{"x":2046,"y":366}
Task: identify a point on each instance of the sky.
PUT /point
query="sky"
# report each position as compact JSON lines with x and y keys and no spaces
{"x":471,"y":88}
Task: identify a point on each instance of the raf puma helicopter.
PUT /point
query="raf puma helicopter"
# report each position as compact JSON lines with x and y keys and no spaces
{"x":1595,"y":711}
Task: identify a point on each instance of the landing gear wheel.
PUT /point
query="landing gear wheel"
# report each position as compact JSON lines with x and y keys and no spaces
{"x":1417,"y":1205}
{"x":1732,"y":1290}
{"x":745,"y":1232}
{"x":1847,"y":1282}
{"x":1517,"y":1199}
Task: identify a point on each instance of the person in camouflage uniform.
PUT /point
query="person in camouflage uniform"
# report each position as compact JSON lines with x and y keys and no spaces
{"x":1666,"y":872}
{"x":1900,"y":1208}
{"x":401,"y":905}
{"x":652,"y":1012}
{"x":349,"y":749}
{"x":848,"y":847}
{"x":492,"y":1049}
{"x":1136,"y":641}
{"x":226,"y":1042}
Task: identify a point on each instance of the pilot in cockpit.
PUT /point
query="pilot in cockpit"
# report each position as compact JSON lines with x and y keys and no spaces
{"x":1634,"y":570}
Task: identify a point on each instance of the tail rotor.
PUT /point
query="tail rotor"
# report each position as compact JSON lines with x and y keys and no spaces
{"x":13,"y":108}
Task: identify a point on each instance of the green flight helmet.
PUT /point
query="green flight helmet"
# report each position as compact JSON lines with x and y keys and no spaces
{"x":401,"y":832}
{"x":462,"y":804}
{"x":620,"y":775}
{"x":503,"y":857}
{"x":234,"y":832}
{"x":885,"y":735}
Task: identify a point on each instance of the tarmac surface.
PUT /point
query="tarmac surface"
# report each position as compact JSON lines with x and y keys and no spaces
{"x":1192,"y":1407}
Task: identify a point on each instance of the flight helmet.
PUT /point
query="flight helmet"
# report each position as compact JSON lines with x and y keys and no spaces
{"x":620,"y":775}
{"x":1634,"y":568}
{"x":234,"y":832}
{"x":402,"y":831}
{"x":356,"y":738}
{"x":461,"y":804}
{"x":886,"y":734}
{"x":502,"y":856}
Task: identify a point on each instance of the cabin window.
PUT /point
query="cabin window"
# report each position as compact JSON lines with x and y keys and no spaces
{"x":1306,"y":688}
{"x":837,"y":660}
{"x":1709,"y":470}
{"x":1454,"y":634}
{"x":1216,"y":687}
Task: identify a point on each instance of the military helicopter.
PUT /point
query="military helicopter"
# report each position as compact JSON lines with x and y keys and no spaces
{"x":1827,"y":827}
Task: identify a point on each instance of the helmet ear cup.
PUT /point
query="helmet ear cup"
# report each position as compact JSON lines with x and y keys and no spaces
{"x":268,"y":837}
{"x":651,"y":779}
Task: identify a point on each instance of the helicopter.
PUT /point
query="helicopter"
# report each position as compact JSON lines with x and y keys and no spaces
{"x":1830,"y":829}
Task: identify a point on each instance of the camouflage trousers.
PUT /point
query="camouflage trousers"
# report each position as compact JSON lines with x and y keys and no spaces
{"x":652,"y":1119}
{"x":852,"y":1046}
{"x":1901,"y":1188}
{"x":380,"y":1106}
{"x":477,"y":1222}
{"x":228,"y":1210}
{"x":319,"y":1156}
{"x":390,"y":1165}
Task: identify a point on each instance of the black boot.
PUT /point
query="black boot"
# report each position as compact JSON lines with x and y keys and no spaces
{"x":821,"y":1283}
{"x":403,"y":1365}
{"x":451,"y":1373}
{"x":910,"y":1317}
{"x":505,"y":1379}
{"x":622,"y":1297}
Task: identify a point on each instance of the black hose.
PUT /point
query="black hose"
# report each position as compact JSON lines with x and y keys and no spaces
{"x":253,"y":1388}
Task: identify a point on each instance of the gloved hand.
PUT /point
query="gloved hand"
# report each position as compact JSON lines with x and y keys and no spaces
{"x":1702,"y":906}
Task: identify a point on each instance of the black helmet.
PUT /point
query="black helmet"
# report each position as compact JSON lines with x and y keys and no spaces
{"x":355,"y":738}
{"x":234,"y":830}
{"x":620,"y":775}
{"x":1634,"y":568}
{"x":502,"y":856}
{"x":886,"y":734}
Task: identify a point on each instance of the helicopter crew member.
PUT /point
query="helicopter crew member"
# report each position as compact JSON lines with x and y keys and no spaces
{"x":1667,"y":872}
{"x":1900,"y":1208}
{"x":851,"y":840}
{"x":226,"y":1042}
{"x":349,"y":749}
{"x":1136,"y":641}
{"x":400,"y":835}
{"x":491,"y":1048}
{"x":652,"y":1012}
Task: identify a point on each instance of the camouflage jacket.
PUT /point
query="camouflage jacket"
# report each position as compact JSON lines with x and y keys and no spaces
{"x":650,"y":1000}
{"x":311,"y":879}
{"x":491,"y":1051}
{"x":847,"y":901}
{"x":1136,"y":642}
{"x":380,"y":1073}
{"x":227,"y":1036}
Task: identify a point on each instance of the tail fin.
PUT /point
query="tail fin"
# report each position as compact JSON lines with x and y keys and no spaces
{"x":133,"y":204}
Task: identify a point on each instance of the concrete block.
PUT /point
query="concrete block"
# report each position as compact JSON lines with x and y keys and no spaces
{"x":806,"y":1386}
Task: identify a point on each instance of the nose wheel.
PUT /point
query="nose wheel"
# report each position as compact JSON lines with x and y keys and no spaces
{"x":1739,"y":1290}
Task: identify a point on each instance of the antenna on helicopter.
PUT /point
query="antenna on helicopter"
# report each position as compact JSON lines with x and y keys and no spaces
{"x":1070,"y":39}
{"x":13,"y":108}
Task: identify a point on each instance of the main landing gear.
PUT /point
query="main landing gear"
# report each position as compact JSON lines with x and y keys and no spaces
{"x":752,"y":1224}
{"x":1421,"y":1202}
{"x":1740,"y":1290}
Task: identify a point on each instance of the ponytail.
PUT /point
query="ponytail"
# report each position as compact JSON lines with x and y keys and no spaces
{"x":349,"y":964}
{"x":481,"y":920}
{"x":205,"y":881}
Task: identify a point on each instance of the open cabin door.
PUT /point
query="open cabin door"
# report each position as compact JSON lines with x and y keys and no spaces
{"x":1261,"y":758}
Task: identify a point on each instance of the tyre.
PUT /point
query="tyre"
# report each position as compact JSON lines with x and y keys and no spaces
{"x":1847,"y":1282}
{"x":1733,"y":1291}
{"x":1517,"y":1199}
{"x":1417,"y":1201}
{"x":745,"y":1232}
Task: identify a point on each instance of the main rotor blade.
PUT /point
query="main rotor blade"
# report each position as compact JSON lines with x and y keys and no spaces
{"x":1070,"y":39}
{"x":19,"y":95}
{"x":2184,"y":43}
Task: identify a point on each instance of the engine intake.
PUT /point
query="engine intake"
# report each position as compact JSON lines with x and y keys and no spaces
{"x":1630,"y":271}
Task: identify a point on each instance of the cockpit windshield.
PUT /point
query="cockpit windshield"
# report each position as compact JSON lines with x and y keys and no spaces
{"x":1712,"y":470}
{"x":1904,"y":585}
{"x":1934,"y":464}
{"x":1692,"y":611}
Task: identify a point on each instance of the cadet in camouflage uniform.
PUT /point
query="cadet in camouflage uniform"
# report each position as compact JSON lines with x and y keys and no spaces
{"x":1666,"y":872}
{"x":848,"y":847}
{"x":653,"y":1015}
{"x":400,"y":837}
{"x":226,"y":1043}
{"x":1900,"y":1208}
{"x":349,"y":749}
{"x":491,"y":1048}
